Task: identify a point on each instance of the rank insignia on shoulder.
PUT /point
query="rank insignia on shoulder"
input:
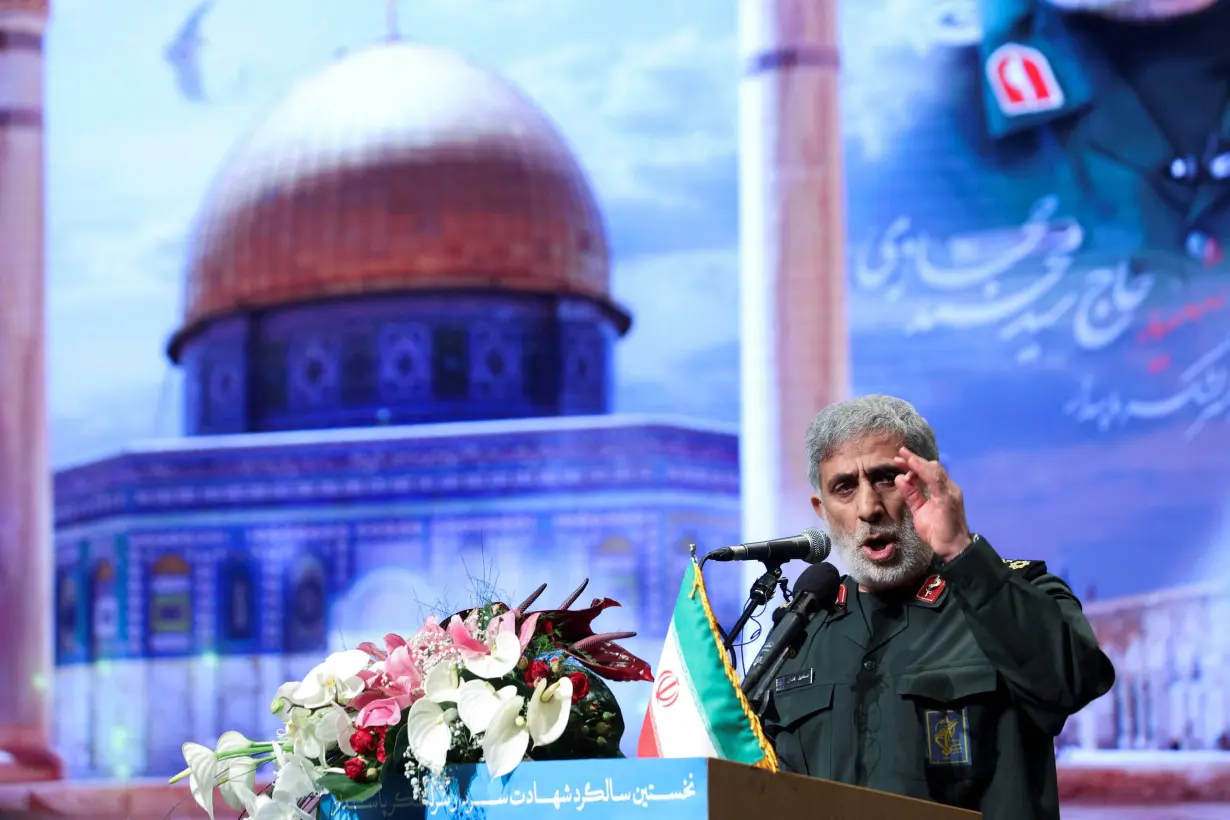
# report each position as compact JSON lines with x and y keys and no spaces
{"x":948,"y":737}
{"x":1016,"y":564}
{"x":1022,"y":80}
{"x":931,"y":589}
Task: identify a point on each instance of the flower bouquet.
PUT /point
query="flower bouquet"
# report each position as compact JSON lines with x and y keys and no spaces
{"x":489,"y":685}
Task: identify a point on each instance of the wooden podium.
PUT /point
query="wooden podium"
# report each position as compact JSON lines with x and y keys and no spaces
{"x":656,"y":789}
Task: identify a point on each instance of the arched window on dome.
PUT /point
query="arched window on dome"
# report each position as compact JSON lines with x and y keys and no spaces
{"x":169,"y":607}
{"x":104,"y":611}
{"x":304,"y":627}
{"x":615,"y":563}
{"x":69,"y":643}
{"x":238,"y":613}
{"x":450,"y":362}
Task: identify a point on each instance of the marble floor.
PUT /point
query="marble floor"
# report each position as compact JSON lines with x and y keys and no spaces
{"x":1189,"y":811}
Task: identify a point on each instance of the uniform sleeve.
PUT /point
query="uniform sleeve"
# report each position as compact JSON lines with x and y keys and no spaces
{"x":1031,"y":626}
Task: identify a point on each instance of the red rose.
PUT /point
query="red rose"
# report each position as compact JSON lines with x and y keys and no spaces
{"x":537,"y":671}
{"x":580,"y":685}
{"x":380,"y":753}
{"x":356,"y":769}
{"x":364,"y":742}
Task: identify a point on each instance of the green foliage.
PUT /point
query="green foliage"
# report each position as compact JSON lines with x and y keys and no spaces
{"x":345,"y":790}
{"x":395,"y":745}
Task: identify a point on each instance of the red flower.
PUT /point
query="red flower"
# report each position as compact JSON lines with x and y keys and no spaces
{"x":580,"y":685}
{"x":356,"y":769}
{"x":537,"y":671}
{"x":365,"y":741}
{"x":381,"y":733}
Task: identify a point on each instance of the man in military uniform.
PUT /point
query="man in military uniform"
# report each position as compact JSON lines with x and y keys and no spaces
{"x":945,"y":671}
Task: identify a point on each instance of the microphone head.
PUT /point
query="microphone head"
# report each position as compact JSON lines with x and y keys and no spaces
{"x":821,"y":545}
{"x":821,"y":580}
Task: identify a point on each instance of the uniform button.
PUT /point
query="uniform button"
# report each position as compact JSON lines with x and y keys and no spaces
{"x":869,"y":665}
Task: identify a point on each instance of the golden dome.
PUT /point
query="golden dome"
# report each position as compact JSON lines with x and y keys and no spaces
{"x":397,"y":168}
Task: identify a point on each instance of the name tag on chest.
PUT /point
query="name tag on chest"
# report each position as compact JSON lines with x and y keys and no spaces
{"x":793,"y":681}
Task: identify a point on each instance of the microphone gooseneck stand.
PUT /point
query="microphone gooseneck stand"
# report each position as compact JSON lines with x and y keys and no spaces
{"x":761,"y":592}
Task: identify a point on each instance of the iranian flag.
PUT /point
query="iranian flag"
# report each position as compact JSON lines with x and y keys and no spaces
{"x":697,"y":708}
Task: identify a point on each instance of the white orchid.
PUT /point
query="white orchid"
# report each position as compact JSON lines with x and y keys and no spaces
{"x":282,"y":704}
{"x":231,"y":775}
{"x":429,"y":733}
{"x":313,"y":734}
{"x":279,"y":806}
{"x":335,"y":680}
{"x":442,"y":684}
{"x":477,"y":703}
{"x":509,"y":734}
{"x":296,"y":776}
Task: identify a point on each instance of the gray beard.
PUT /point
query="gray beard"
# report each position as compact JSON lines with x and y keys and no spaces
{"x":1135,"y":9}
{"x":911,"y":556}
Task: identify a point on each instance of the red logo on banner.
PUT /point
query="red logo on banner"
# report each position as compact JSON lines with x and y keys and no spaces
{"x":667,"y":691}
{"x":1022,"y":80}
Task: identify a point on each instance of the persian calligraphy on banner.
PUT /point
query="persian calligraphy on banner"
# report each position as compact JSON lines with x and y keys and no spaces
{"x":1028,"y":285}
{"x":675,"y":789}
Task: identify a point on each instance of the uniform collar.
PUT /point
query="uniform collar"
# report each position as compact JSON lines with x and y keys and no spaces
{"x":929,"y":592}
{"x":1031,"y":69}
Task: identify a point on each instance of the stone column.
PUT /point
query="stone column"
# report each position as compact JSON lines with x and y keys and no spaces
{"x":25,"y":482}
{"x":792,"y":244}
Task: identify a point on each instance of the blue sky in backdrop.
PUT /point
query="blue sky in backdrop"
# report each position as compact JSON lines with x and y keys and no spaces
{"x":644,"y":91}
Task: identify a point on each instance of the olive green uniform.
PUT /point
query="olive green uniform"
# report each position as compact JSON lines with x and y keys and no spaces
{"x":951,"y":691}
{"x":1136,"y":152}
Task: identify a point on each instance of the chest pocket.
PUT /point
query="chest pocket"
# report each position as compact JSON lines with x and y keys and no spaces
{"x":950,"y":723}
{"x":805,"y":735}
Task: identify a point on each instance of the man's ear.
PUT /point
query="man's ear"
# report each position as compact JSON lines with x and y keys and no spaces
{"x":818,"y":505}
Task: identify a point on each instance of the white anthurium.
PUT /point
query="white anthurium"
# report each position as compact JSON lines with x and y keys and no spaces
{"x":334,"y":680}
{"x":442,"y":684}
{"x":478,"y":701}
{"x":237,"y":774}
{"x":505,"y":653}
{"x":202,"y":775}
{"x":549,"y":709}
{"x":428,"y":733}
{"x":282,"y":704}
{"x":507,"y":739}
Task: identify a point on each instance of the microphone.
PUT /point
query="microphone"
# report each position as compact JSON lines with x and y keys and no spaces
{"x":813,"y":546}
{"x":815,"y":590}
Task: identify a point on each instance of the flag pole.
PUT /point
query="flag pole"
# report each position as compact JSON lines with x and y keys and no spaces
{"x":390,"y":13}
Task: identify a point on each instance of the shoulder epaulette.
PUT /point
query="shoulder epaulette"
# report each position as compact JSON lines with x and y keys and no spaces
{"x":1030,"y":570}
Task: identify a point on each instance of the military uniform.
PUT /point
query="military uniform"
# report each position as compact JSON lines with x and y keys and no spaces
{"x":1125,"y":125}
{"x":950,"y":691}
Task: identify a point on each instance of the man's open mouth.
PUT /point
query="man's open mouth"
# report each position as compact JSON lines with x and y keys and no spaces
{"x":879,"y":547}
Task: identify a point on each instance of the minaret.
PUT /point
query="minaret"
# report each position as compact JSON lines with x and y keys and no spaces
{"x":25,"y":483}
{"x":792,"y":245}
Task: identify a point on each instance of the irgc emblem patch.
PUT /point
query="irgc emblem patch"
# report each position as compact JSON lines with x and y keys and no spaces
{"x":948,"y":737}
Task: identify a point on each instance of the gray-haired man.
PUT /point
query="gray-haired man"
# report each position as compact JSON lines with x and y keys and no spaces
{"x":945,"y":671}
